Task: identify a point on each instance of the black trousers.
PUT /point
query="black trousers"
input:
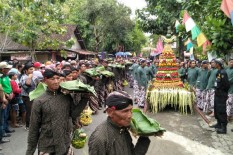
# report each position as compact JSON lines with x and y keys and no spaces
{"x":28,"y":104}
{"x":220,"y":108}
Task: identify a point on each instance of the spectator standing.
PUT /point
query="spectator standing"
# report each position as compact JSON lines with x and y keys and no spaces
{"x":28,"y":83}
{"x":3,"y":103}
{"x":14,"y":103}
{"x":5,"y":82}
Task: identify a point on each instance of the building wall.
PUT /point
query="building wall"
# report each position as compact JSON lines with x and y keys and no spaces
{"x":43,"y":57}
{"x":76,"y":45}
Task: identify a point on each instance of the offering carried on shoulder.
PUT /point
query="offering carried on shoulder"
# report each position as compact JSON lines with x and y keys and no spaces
{"x":142,"y":125}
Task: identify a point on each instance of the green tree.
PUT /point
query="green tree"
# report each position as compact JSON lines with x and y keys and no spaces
{"x":35,"y":22}
{"x":206,"y":14}
{"x":136,"y":39}
{"x":109,"y":21}
{"x":158,"y":15}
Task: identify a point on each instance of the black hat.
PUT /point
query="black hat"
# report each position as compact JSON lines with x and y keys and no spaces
{"x":213,"y":60}
{"x":142,"y":61}
{"x":49,"y":73}
{"x":67,"y":72}
{"x":205,"y":62}
{"x":118,"y":100}
{"x":219,"y":61}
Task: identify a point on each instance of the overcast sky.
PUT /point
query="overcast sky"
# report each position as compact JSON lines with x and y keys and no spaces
{"x":134,"y":4}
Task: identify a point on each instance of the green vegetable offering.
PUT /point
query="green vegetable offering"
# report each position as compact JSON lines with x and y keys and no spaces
{"x":40,"y":89}
{"x":77,"y":85}
{"x":106,"y":73}
{"x":79,"y":139}
{"x":91,"y":72}
{"x":144,"y":126}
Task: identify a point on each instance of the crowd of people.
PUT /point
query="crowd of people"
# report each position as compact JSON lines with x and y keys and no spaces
{"x":213,"y":86}
{"x":211,"y":81}
{"x":18,"y":80}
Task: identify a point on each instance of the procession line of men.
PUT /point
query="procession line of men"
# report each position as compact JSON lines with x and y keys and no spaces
{"x":213,"y":86}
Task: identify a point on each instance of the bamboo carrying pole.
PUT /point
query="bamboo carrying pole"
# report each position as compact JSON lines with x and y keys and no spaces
{"x":201,"y":114}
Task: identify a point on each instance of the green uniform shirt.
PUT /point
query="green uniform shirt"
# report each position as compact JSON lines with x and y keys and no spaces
{"x":202,"y":79}
{"x":192,"y":76}
{"x":154,"y":69}
{"x":142,"y":78}
{"x":6,"y":85}
{"x":181,"y":72}
{"x":212,"y":78}
{"x":135,"y":67}
{"x":230,"y":78}
{"x":149,"y":73}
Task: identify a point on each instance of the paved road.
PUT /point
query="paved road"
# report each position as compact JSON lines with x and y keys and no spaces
{"x":186,"y":135}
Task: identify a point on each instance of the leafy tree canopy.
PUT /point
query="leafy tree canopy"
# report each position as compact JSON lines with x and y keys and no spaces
{"x":104,"y":24}
{"x":206,"y":14}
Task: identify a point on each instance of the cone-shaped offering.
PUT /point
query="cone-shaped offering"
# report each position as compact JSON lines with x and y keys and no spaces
{"x":167,"y":75}
{"x":167,"y":88}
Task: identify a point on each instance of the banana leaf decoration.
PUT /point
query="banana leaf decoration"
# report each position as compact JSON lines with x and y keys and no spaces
{"x":40,"y":89}
{"x":120,"y":66}
{"x":116,"y":65}
{"x":112,"y":65}
{"x":77,"y":85}
{"x":128,"y":63}
{"x":100,"y":68}
{"x":74,"y":85}
{"x":143,"y":125}
{"x":91,"y":72}
{"x":107,"y":73}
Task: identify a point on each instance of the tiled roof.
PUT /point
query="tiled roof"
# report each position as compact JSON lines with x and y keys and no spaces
{"x":71,"y":29}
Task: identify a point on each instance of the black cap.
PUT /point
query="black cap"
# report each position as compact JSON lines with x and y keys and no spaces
{"x":67,"y":72}
{"x":219,"y":61}
{"x":142,"y":61}
{"x":119,"y":100}
{"x":205,"y":62}
{"x":49,"y":73}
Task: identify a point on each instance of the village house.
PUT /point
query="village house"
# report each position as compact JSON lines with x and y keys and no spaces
{"x":13,"y":50}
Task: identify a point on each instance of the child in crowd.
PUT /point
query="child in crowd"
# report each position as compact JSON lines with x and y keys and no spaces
{"x":15,"y":100}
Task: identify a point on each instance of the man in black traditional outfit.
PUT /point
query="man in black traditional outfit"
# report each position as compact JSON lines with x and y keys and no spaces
{"x":112,"y":136}
{"x":49,"y":126}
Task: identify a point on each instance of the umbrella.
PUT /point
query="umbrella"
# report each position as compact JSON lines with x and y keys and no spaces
{"x":128,"y":53}
{"x":119,"y":54}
